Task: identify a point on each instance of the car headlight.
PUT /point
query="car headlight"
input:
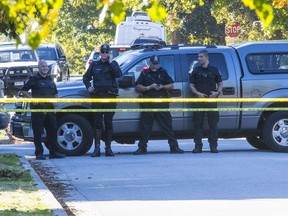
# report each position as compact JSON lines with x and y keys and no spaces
{"x":11,"y":72}
{"x":35,"y":70}
{"x":24,"y":71}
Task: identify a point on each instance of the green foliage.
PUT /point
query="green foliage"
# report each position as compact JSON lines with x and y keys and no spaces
{"x":37,"y":16}
{"x":201,"y":27}
{"x":262,"y":8}
{"x":80,"y":33}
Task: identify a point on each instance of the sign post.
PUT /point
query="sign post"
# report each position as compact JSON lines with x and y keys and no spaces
{"x":233,"y":31}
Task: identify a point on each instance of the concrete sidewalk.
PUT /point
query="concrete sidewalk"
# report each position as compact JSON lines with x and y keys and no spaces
{"x":25,"y":152}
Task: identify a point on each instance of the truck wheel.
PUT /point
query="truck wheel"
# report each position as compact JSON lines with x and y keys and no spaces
{"x":257,"y":142}
{"x":74,"y":134}
{"x":275,"y":132}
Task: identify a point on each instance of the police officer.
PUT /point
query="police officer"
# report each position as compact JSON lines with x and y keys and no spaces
{"x":42,"y":86}
{"x":155,"y":82}
{"x":205,"y":82}
{"x":104,"y":85}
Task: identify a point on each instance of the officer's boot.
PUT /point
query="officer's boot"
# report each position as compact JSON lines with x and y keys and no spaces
{"x":198,"y":148}
{"x":174,"y":149}
{"x":142,"y":148}
{"x":108,"y":140}
{"x":213,"y":147}
{"x":97,"y":137}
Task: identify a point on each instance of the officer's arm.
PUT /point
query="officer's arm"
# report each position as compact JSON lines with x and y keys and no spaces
{"x":24,"y":94}
{"x":116,"y":69}
{"x":220,"y":87}
{"x":197,"y":93}
{"x":26,"y":87}
{"x":87,"y":77}
{"x":141,"y":88}
{"x":168,"y":87}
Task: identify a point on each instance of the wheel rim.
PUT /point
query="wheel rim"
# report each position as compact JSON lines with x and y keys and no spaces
{"x":69,"y":136}
{"x":280,"y":132}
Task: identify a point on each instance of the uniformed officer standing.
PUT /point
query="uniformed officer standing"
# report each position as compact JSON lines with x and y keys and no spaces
{"x":155,"y":82}
{"x":104,"y":74}
{"x":205,"y":82}
{"x":42,"y":86}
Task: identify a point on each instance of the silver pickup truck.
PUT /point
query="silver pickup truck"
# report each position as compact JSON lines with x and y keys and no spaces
{"x":255,"y":70}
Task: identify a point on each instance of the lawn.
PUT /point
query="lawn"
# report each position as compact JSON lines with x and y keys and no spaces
{"x":18,"y":194}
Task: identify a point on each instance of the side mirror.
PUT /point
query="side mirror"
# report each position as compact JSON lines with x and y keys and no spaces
{"x":62,"y":58}
{"x":126,"y":81}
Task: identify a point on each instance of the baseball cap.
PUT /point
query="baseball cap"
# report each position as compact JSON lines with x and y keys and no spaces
{"x":154,"y":59}
{"x":105,"y":47}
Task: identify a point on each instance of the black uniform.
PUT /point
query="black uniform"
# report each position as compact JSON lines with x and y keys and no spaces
{"x":104,"y":76}
{"x":146,"y":78}
{"x":205,"y":81}
{"x":43,"y":87}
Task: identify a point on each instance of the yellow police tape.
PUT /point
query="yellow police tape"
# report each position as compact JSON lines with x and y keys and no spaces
{"x":149,"y":110}
{"x":143,"y":100}
{"x":137,"y":100}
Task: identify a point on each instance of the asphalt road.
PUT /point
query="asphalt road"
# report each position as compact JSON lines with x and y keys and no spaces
{"x":240,"y":180}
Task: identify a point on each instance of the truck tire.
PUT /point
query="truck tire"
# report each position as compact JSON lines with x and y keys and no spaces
{"x":275,"y":132}
{"x":74,"y":134}
{"x":257,"y":142}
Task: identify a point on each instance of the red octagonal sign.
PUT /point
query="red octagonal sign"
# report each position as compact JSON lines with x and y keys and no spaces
{"x":233,"y":31}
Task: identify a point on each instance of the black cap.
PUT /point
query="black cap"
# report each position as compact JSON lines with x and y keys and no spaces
{"x":154,"y":59}
{"x":105,"y":47}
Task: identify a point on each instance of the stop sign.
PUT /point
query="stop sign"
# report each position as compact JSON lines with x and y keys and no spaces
{"x":233,"y":31}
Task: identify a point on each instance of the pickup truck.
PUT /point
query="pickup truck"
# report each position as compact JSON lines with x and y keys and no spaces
{"x":257,"y":70}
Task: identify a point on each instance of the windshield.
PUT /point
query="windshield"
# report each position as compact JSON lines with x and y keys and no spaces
{"x":17,"y":55}
{"x":125,"y":59}
{"x":46,"y":53}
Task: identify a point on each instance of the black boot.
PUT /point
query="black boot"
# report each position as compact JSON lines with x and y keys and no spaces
{"x":176,"y":150}
{"x":213,"y":147}
{"x":97,"y":137}
{"x":108,"y":140}
{"x":142,"y":148}
{"x":198,"y":148}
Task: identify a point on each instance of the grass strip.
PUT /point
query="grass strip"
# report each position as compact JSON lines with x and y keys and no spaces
{"x":18,"y":193}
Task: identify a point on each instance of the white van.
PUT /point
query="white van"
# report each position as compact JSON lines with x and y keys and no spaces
{"x":136,"y":26}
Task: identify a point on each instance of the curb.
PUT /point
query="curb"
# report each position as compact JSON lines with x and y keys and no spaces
{"x":46,"y":195}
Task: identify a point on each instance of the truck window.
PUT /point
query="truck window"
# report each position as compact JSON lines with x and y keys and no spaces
{"x":215,"y":59}
{"x":46,"y":53}
{"x":166,"y":62}
{"x":267,"y":63}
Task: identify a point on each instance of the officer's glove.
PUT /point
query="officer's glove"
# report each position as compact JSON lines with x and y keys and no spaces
{"x":91,"y":89}
{"x":153,"y":86}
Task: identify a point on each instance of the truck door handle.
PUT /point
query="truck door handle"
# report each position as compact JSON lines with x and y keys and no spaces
{"x":228,"y":91}
{"x":176,"y":93}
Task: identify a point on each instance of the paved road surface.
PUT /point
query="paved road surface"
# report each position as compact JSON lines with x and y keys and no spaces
{"x":238,"y":181}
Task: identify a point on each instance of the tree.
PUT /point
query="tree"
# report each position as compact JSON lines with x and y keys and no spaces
{"x":35,"y":18}
{"x":80,"y":33}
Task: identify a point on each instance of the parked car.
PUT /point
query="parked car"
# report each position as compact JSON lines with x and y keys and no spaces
{"x":148,"y":40}
{"x":56,"y":59}
{"x":7,"y":44}
{"x":249,"y":70}
{"x":17,"y":64}
{"x":92,"y":57}
{"x":4,"y":116}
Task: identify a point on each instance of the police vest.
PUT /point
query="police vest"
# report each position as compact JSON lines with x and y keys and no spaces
{"x":45,"y":87}
{"x":103,"y":78}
